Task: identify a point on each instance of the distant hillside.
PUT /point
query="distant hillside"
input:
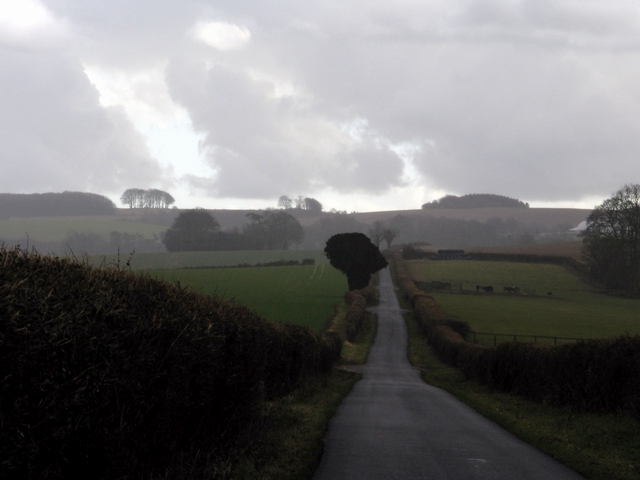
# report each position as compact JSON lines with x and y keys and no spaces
{"x":475,"y":200}
{"x":19,"y":205}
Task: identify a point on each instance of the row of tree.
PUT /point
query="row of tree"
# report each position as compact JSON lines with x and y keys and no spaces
{"x":198,"y":230}
{"x":453,"y":233}
{"x":301,"y":203}
{"x":379,"y":232}
{"x":151,"y":198}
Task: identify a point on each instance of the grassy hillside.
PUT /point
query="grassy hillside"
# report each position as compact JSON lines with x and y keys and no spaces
{"x":148,"y":222}
{"x":574,"y":308}
{"x":530,"y":216}
{"x":304,"y":295}
{"x":55,"y":229}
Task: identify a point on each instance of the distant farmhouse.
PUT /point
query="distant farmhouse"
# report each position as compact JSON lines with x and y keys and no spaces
{"x":580,"y":228}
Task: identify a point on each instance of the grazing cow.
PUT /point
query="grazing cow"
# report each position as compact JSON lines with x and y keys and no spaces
{"x":511,"y":290}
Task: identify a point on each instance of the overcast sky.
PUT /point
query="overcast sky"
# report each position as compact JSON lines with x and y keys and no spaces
{"x":364,"y":105}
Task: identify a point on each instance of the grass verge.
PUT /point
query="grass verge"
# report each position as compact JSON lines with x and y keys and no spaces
{"x":597,"y":446}
{"x":287,"y":443}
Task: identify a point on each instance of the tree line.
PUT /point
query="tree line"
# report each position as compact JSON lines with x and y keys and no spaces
{"x":54,"y":204}
{"x":475,"y":200}
{"x":198,"y":230}
{"x":151,"y":198}
{"x":301,"y":203}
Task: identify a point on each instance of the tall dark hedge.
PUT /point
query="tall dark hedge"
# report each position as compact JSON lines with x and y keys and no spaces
{"x":106,"y":374}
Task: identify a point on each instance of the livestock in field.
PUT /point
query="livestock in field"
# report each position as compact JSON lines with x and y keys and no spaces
{"x":484,"y":288}
{"x":511,"y":290}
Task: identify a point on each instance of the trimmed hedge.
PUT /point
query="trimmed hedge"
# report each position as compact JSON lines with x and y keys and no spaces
{"x":600,"y":376}
{"x":568,"y":262}
{"x":107,"y":374}
{"x":357,"y":301}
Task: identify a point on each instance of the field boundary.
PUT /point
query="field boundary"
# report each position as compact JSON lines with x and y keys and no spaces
{"x":598,"y":376}
{"x":518,"y":335}
{"x":564,"y":261}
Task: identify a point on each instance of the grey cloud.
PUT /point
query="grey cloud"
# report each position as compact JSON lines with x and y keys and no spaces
{"x":261,"y":144}
{"x":521,"y":118}
{"x":536,"y":99}
{"x":542,"y":129}
{"x":55,"y":135}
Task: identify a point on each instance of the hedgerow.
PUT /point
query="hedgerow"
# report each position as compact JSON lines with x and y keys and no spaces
{"x":357,"y":301}
{"x":600,"y":376}
{"x":107,"y":374}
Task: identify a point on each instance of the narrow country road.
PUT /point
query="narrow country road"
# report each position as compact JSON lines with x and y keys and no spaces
{"x":394,"y":426}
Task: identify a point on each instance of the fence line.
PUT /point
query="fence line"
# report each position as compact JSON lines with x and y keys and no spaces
{"x":516,"y":336}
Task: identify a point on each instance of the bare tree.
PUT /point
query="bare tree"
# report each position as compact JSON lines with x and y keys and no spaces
{"x":376,"y":232}
{"x":285,"y":202}
{"x":612,"y":240}
{"x":388,"y":234}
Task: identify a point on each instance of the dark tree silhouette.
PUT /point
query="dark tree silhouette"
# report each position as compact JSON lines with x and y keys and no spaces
{"x":152,"y":198}
{"x":612,"y":240}
{"x":355,"y":256}
{"x":54,"y":204}
{"x":273,"y":230}
{"x":475,"y":200}
{"x":312,"y":205}
{"x":193,"y":230}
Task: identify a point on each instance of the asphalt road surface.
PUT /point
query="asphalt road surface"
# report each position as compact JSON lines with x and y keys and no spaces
{"x":394,"y":426}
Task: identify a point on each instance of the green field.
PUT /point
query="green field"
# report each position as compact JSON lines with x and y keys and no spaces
{"x":300,"y":294}
{"x":170,"y":260}
{"x":574,"y":308}
{"x":56,"y":229}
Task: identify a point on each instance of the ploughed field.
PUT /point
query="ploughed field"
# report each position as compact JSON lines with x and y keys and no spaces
{"x":301,"y":294}
{"x":551,"y":300}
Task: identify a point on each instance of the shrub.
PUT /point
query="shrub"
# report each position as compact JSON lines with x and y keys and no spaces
{"x":106,"y":374}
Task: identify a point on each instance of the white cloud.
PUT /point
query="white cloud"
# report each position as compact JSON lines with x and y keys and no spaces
{"x":28,"y":23}
{"x":221,"y":35}
{"x":55,"y":135}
